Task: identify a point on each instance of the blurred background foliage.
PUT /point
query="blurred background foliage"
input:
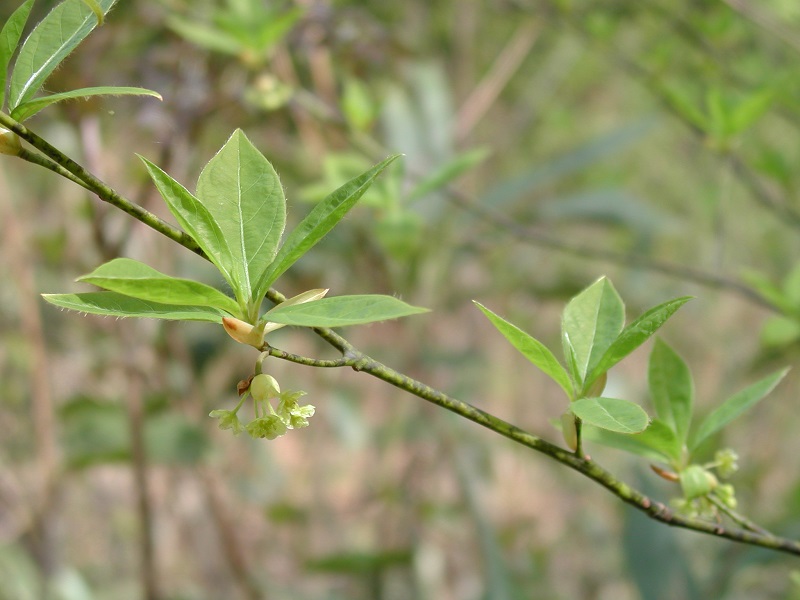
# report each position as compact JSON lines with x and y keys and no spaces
{"x":547,"y":142}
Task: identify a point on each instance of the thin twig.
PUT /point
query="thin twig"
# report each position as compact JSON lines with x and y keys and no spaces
{"x":361,"y":362}
{"x":364,"y":363}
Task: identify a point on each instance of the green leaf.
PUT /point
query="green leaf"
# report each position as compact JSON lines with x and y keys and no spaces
{"x":671,"y":388}
{"x":342,"y":310}
{"x":197,"y":221}
{"x":10,"y":35}
{"x":30,"y":108}
{"x":448,"y":172}
{"x":750,"y":110}
{"x":657,"y":442}
{"x":49,"y":43}
{"x":636,"y":334}
{"x":138,"y":280}
{"x":242,"y":192}
{"x":318,"y":223}
{"x":117,"y":305}
{"x":205,"y":36}
{"x":531,"y":348}
{"x":735,"y":406}
{"x":591,"y":322}
{"x":612,"y":414}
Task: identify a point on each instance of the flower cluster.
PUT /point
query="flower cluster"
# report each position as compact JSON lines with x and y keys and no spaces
{"x":269,"y":422}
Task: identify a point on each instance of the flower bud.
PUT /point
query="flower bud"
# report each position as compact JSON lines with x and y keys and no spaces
{"x":697,"y":481}
{"x":264,"y":387}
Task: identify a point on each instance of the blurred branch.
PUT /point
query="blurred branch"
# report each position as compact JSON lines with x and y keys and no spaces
{"x":358,"y":361}
{"x":554,"y":242}
{"x":134,"y":403}
{"x":508,"y":61}
{"x":759,"y":191}
{"x":751,"y":12}
{"x":44,"y":513}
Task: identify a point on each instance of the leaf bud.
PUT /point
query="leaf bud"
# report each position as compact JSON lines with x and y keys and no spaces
{"x":9,"y":143}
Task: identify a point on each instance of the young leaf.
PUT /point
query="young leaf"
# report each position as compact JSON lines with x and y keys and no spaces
{"x":734,"y":406}
{"x":671,"y":388}
{"x":197,"y":221}
{"x":636,"y":334}
{"x":242,"y":192}
{"x":317,"y":224}
{"x":49,"y":43}
{"x":657,"y":442}
{"x":30,"y":108}
{"x":10,"y":35}
{"x":117,"y":305}
{"x":531,"y":348}
{"x":138,"y":280}
{"x":591,"y":322}
{"x":342,"y":310}
{"x":612,"y":414}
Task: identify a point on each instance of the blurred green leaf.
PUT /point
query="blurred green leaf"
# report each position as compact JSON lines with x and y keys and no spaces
{"x":48,"y":44}
{"x":575,"y":161}
{"x":31,"y":107}
{"x":671,"y":388}
{"x":10,"y":35}
{"x":243,"y":194}
{"x":358,"y":105}
{"x":532,"y":349}
{"x":612,"y":414}
{"x":94,"y":432}
{"x":340,"y":311}
{"x":117,"y":305}
{"x":735,"y":406}
{"x":171,"y":439}
{"x":138,"y":280}
{"x":591,"y":322}
{"x":447,"y":173}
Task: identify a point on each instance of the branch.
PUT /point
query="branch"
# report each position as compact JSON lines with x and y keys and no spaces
{"x":750,"y":533}
{"x":95,"y":185}
{"x":358,"y":361}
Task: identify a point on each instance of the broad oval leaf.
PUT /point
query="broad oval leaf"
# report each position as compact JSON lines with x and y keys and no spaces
{"x":117,"y":305}
{"x":657,"y":442}
{"x":318,"y":223}
{"x":735,"y":406}
{"x":30,"y":108}
{"x":591,"y":322}
{"x":636,"y":334}
{"x":612,"y":414}
{"x":671,"y":388}
{"x":138,"y":280}
{"x":10,"y":35}
{"x":530,"y":348}
{"x":48,"y":44}
{"x":340,"y":311}
{"x":242,"y":192}
{"x":197,"y":221}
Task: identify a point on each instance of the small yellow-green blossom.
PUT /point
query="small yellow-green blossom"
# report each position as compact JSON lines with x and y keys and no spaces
{"x":289,"y":409}
{"x":268,"y":427}
{"x":228,"y":419}
{"x":727,"y":462}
